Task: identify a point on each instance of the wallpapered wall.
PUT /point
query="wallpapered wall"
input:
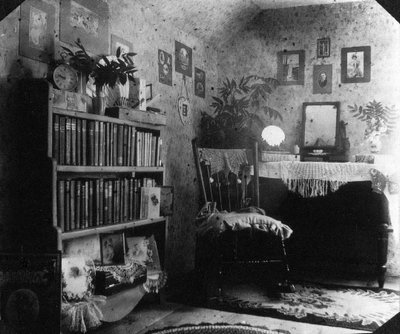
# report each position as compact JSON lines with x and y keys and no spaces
{"x":254,"y":51}
{"x":134,"y":22}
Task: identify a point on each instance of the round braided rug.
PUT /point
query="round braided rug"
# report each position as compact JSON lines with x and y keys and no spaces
{"x":217,"y":329}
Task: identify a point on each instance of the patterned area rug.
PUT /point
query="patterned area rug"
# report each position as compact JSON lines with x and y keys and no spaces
{"x":341,"y":307}
{"x":217,"y":329}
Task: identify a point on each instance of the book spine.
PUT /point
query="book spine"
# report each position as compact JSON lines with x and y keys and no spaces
{"x":67,"y":206}
{"x":120,"y":145}
{"x":56,"y":137}
{"x":110,"y":202}
{"x":115,"y":144}
{"x":128,"y":153}
{"x":78,"y":203}
{"x":61,"y":205}
{"x":101,"y":201}
{"x":62,"y":140}
{"x":90,"y":204}
{"x":133,"y":146}
{"x":68,"y":141}
{"x":79,"y":142}
{"x":73,"y":141}
{"x":72,"y":204}
{"x":96,"y":143}
{"x":84,"y":143}
{"x":105,"y":205}
{"x":101,"y":144}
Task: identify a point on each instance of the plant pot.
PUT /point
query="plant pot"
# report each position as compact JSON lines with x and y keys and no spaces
{"x":99,"y":105}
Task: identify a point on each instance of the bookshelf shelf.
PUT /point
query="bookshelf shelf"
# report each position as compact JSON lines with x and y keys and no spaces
{"x":108,"y":169}
{"x":110,"y":228}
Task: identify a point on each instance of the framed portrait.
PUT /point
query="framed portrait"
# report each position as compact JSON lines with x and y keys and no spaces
{"x":87,"y":21}
{"x":117,"y":42}
{"x":112,"y":246}
{"x":165,"y":67}
{"x":183,"y":59}
{"x":323,"y":47}
{"x":291,"y":67}
{"x":199,"y":82}
{"x":85,"y":246}
{"x":356,"y":64}
{"x":167,"y":201}
{"x":30,"y":292}
{"x":322,"y":79}
{"x":36,"y":32}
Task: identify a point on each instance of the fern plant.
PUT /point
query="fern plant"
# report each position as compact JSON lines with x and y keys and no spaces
{"x":238,"y":111}
{"x":380,"y":119}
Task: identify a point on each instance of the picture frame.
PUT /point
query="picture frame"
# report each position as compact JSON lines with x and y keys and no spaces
{"x":149,"y":92}
{"x":112,"y":247}
{"x":183,"y":59}
{"x":117,"y":41}
{"x":36,"y":30}
{"x":86,"y":21}
{"x":291,"y":67}
{"x":323,"y":47}
{"x":164,"y":67}
{"x":38,"y":282}
{"x":199,"y":82}
{"x":88,"y":246}
{"x":322,"y":79}
{"x":356,"y":64}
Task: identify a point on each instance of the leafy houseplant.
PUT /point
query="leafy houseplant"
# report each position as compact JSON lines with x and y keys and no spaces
{"x":105,"y":70}
{"x":380,"y":120}
{"x":237,"y":120}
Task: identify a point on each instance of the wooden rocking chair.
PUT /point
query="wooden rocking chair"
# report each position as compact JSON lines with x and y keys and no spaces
{"x":233,"y":232}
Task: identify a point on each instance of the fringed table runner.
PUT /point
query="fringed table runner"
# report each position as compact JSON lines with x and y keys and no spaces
{"x":311,"y":179}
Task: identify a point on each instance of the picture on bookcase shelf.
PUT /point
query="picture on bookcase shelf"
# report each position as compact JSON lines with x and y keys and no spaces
{"x":88,"y":246}
{"x":36,"y":31}
{"x":112,"y":248}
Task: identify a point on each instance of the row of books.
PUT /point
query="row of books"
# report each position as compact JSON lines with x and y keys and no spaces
{"x":85,"y":203}
{"x":84,"y":142}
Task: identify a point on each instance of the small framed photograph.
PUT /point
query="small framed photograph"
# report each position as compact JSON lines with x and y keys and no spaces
{"x":165,"y":67}
{"x":199,"y":82}
{"x":112,"y":246}
{"x":356,"y":64}
{"x":36,"y":32}
{"x":291,"y":67}
{"x":323,"y":47}
{"x":322,"y":83}
{"x":149,"y":92}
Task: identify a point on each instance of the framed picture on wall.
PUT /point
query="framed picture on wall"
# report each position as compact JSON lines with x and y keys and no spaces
{"x":323,"y":47}
{"x":291,"y":67}
{"x":183,"y":59}
{"x":36,"y":30}
{"x":165,"y":67}
{"x":117,"y":42}
{"x":199,"y":82}
{"x":322,"y":79}
{"x":86,"y":20}
{"x":356,"y":64}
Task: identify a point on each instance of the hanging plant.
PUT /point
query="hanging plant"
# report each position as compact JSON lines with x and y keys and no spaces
{"x":239,"y":111}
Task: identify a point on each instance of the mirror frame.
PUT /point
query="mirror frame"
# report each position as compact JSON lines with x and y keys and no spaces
{"x":327,"y":149}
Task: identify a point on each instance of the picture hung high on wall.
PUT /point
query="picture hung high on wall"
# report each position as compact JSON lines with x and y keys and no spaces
{"x":291,"y":67}
{"x":118,"y":42}
{"x":165,"y":67}
{"x":199,"y":82}
{"x":183,"y":59}
{"x":323,"y":47}
{"x":356,"y":64}
{"x":36,"y":31}
{"x":322,"y":79}
{"x":86,"y":21}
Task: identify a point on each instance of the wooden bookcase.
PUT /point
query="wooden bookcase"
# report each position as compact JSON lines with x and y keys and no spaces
{"x":95,"y":167}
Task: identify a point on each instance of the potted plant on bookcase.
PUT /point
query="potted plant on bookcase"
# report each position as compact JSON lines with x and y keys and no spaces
{"x":106,"y":73}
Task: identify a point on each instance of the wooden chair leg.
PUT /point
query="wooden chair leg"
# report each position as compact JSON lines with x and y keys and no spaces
{"x":286,"y":286}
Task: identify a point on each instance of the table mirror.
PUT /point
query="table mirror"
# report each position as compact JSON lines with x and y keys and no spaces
{"x":320,"y":127}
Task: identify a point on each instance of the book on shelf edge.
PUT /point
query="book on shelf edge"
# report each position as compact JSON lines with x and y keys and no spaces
{"x":150,"y":202}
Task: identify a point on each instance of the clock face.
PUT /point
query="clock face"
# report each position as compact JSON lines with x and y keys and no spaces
{"x":65,"y":77}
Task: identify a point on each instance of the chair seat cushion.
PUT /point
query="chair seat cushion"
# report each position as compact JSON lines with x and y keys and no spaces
{"x":221,"y":221}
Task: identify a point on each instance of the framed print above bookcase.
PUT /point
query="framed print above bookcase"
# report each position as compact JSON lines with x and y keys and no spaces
{"x":86,"y":21}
